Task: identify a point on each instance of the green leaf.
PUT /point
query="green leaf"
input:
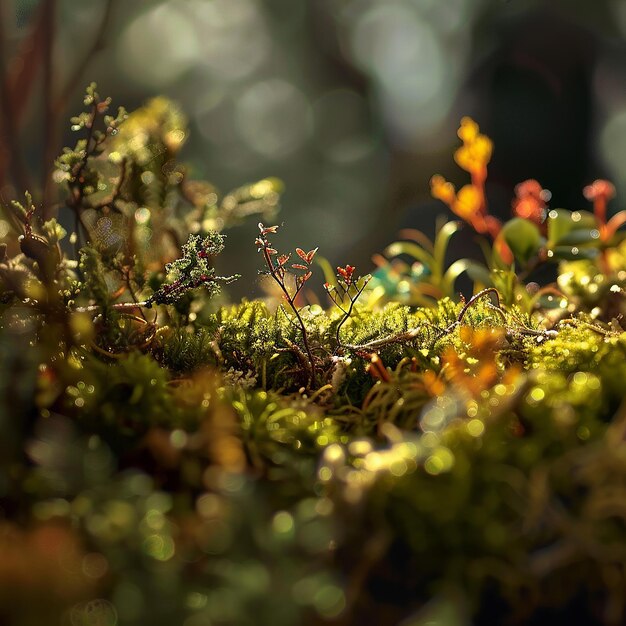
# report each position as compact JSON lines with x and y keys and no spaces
{"x":523,"y":237}
{"x":442,"y":240}
{"x":572,"y":253}
{"x":479,"y":273}
{"x":412,"y":249}
{"x":453,"y":272}
{"x":327,"y":269}
{"x":562,"y":222}
{"x":580,"y":236}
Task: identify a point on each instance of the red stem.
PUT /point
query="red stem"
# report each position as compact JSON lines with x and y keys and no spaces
{"x":289,"y":298}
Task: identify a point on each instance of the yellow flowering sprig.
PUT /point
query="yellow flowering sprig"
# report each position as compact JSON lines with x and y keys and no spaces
{"x":469,"y":203}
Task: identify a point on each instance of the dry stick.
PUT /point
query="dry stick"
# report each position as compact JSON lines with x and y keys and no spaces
{"x":9,"y":127}
{"x":49,"y":120}
{"x":120,"y":306}
{"x":23,"y":73}
{"x":376,"y":344}
{"x":411,"y":334}
{"x":17,"y":86}
{"x":477,"y":296}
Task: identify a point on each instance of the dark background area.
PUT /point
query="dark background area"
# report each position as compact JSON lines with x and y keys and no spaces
{"x":354,"y":104}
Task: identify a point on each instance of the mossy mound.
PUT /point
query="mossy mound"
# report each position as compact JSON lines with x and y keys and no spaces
{"x":391,"y":457}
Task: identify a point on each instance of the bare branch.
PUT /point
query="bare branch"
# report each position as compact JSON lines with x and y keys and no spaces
{"x":97,"y":45}
{"x":8,"y":126}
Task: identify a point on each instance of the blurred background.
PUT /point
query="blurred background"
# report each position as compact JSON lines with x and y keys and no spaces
{"x":354,"y":104}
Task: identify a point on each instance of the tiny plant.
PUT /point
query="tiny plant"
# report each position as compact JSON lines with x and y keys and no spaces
{"x":73,"y":168}
{"x":345,"y":294}
{"x":193,"y":270}
{"x":291,"y":279}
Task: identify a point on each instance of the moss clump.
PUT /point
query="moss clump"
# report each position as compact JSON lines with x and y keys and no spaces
{"x":391,"y":456}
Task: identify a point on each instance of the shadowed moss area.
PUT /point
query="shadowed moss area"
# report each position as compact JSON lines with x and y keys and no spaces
{"x":389,"y":454}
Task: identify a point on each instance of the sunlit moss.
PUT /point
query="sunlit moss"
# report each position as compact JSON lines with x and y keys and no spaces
{"x":168,"y":457}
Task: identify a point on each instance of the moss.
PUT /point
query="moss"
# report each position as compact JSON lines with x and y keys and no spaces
{"x":280,"y":461}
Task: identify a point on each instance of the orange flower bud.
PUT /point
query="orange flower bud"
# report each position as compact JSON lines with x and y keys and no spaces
{"x":468,"y":131}
{"x":599,"y":192}
{"x":468,"y":202}
{"x":529,"y":208}
{"x":529,"y":187}
{"x":476,"y":150}
{"x":599,"y":188}
{"x":441,"y":189}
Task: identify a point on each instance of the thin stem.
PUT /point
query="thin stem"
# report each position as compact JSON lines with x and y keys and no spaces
{"x":376,"y":344}
{"x":348,"y":313}
{"x":49,"y":120}
{"x":119,"y":306}
{"x":289,"y":298}
{"x":133,"y":295}
{"x":116,"y":191}
{"x":77,"y":235}
{"x":75,"y":199}
{"x":55,"y":107}
{"x":282,"y":309}
{"x":477,"y":296}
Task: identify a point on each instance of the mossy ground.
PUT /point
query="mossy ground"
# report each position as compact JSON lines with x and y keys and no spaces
{"x":409,"y":460}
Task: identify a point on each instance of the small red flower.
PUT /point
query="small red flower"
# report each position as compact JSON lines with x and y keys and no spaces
{"x":599,"y":192}
{"x":530,"y":201}
{"x":346,"y":272}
